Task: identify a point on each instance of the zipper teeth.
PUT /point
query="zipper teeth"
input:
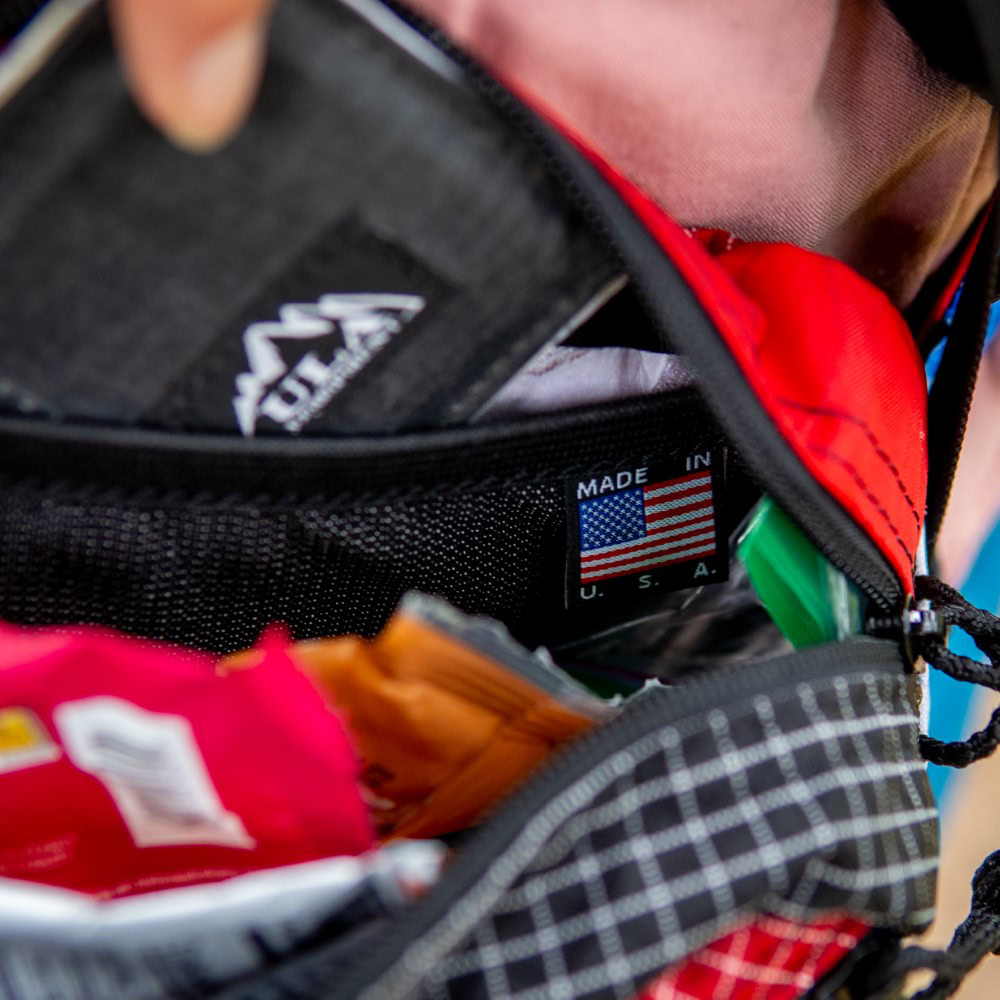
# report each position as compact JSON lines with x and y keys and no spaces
{"x":461,"y":902}
{"x":522,"y":119}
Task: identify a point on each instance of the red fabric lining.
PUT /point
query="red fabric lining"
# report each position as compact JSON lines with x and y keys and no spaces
{"x":841,"y":376}
{"x":768,"y":959}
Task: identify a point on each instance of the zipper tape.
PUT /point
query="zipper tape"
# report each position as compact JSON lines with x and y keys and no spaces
{"x":683,"y":324}
{"x":480,"y":457}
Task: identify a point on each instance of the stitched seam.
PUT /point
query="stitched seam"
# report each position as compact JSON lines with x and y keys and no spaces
{"x":873,"y":440}
{"x":872,"y":499}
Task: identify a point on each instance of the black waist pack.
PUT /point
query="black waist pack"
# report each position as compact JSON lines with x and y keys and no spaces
{"x":405,"y":334}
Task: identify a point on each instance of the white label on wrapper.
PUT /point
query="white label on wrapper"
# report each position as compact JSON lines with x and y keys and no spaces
{"x":151,"y":765}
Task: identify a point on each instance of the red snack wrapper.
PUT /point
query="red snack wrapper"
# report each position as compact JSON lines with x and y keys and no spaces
{"x":127,"y":766}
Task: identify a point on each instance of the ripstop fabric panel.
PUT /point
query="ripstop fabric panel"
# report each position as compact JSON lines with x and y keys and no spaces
{"x":769,"y":958}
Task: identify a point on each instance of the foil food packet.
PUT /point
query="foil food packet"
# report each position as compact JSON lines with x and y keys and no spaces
{"x":447,"y":713}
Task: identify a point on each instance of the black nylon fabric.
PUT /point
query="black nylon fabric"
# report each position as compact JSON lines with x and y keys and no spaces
{"x":214,"y":575}
{"x":132,"y":270}
{"x":479,"y":518}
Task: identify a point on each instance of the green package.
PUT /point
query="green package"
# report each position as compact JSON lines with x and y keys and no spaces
{"x":808,"y":598}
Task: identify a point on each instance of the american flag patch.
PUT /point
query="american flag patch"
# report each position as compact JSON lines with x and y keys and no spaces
{"x":647,"y":527}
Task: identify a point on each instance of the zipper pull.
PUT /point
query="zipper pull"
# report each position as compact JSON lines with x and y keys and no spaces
{"x":914,"y":627}
{"x":922,"y":630}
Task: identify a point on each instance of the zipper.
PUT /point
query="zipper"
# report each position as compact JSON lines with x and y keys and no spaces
{"x":918,"y":623}
{"x":489,"y":862}
{"x":681,"y":322}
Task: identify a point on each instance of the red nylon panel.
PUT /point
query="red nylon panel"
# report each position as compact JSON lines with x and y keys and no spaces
{"x":831,"y":360}
{"x":838,"y":370}
{"x":768,"y":959}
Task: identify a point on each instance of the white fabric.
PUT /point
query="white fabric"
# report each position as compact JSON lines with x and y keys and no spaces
{"x":563,"y":377}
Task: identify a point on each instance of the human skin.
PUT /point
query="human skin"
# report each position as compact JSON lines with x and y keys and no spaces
{"x":193,"y":65}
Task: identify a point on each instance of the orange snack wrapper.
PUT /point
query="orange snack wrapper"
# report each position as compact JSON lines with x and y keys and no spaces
{"x":447,"y":713}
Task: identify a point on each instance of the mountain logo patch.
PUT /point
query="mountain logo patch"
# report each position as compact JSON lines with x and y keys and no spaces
{"x":299,"y":362}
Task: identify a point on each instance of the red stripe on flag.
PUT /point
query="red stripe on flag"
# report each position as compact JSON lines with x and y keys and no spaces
{"x":701,"y":474}
{"x":613,"y":560}
{"x":670,"y":505}
{"x":668,"y":557}
{"x":674,"y":534}
{"x":664,"y":517}
{"x":679,"y":495}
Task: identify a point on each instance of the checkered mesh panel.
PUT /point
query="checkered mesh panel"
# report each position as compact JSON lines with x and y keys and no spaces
{"x":802,"y":801}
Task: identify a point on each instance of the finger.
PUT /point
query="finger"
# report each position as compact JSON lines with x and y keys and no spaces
{"x":193,"y":65}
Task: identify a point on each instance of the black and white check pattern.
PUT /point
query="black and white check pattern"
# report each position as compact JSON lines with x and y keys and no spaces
{"x":800,"y":801}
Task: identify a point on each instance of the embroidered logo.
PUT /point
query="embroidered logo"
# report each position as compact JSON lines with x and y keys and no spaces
{"x":299,"y":363}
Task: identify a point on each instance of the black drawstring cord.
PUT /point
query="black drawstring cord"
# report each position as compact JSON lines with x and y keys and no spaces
{"x":925,"y":634}
{"x":953,"y":609}
{"x":975,"y":938}
{"x":924,"y":631}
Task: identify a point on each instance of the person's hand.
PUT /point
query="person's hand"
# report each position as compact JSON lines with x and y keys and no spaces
{"x":193,"y":65}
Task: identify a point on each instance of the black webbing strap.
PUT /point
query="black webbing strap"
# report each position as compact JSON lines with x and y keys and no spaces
{"x":975,"y":938}
{"x":965,"y":36}
{"x":955,"y":382}
{"x":979,"y":934}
